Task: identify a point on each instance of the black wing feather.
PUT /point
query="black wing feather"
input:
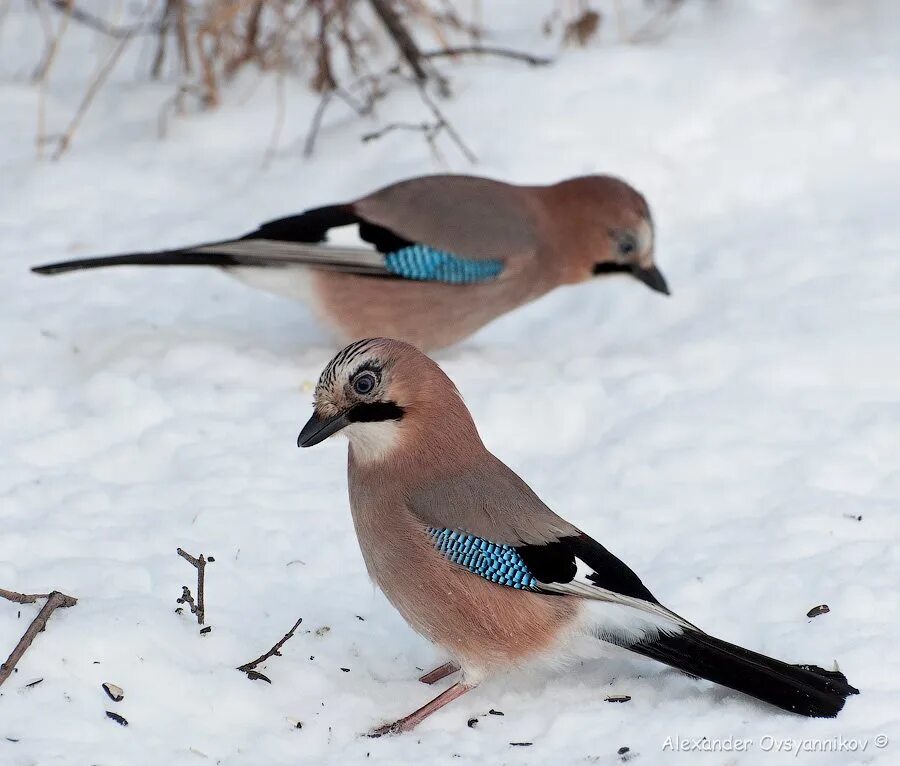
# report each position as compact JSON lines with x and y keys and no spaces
{"x":557,"y":562}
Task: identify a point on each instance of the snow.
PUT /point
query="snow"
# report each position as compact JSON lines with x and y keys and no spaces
{"x":723,"y":441}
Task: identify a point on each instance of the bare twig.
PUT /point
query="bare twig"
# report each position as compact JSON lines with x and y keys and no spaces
{"x":406,"y":45}
{"x":55,"y":600}
{"x":275,"y":651}
{"x":447,"y":125}
{"x":181,"y":30}
{"x":66,"y":138}
{"x":199,"y":564}
{"x":487,"y":50}
{"x":99,"y":25}
{"x":315,"y":124}
{"x":278,"y":125}
{"x":164,"y":24}
{"x":649,"y":30}
{"x":22,"y":598}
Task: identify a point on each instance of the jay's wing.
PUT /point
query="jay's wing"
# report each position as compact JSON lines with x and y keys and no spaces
{"x":490,"y":522}
{"x":474,"y":218}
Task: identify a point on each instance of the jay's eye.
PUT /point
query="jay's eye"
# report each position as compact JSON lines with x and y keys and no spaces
{"x":364,"y":383}
{"x":627,"y":245}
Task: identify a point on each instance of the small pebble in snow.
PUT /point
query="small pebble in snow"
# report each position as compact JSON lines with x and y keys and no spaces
{"x":10,"y":739}
{"x":853,"y":516}
{"x":495,"y":712}
{"x":204,"y":631}
{"x":817,"y":610}
{"x":255,"y":675}
{"x":299,"y":725}
{"x":618,"y":698}
{"x":210,"y":558}
{"x":360,"y":618}
{"x":117,"y":718}
{"x":521,"y":744}
{"x":472,"y":723}
{"x":115,"y":693}
{"x":346,"y":670}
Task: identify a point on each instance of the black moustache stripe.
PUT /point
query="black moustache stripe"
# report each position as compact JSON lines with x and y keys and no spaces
{"x":611,"y":268}
{"x":375,"y":412}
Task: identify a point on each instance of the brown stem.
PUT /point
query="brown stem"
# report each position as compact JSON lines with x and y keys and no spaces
{"x":89,"y":95}
{"x":22,"y":598}
{"x":99,"y":25}
{"x":55,"y":600}
{"x":199,"y":563}
{"x":488,"y":50}
{"x":401,"y":36}
{"x":275,"y":651}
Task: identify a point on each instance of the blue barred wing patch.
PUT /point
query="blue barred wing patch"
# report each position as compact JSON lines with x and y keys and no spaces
{"x":428,"y":264}
{"x":495,"y":562}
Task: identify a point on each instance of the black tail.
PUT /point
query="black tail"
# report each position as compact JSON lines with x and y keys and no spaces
{"x":162,"y":258}
{"x":804,"y":689}
{"x":311,"y":226}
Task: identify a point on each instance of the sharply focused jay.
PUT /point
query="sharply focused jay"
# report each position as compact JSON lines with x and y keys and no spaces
{"x":475,"y":562}
{"x":449,"y":253}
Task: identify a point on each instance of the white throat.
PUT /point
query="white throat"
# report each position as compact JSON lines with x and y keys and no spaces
{"x":372,"y":441}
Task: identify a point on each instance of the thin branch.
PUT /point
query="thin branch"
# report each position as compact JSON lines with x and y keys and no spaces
{"x":160,"y":57}
{"x":649,"y":29}
{"x":447,"y":125}
{"x":275,"y":651}
{"x":487,"y":50}
{"x":199,"y":564}
{"x":278,"y":125}
{"x":315,"y":124}
{"x":401,"y":36}
{"x":55,"y":600}
{"x":419,"y":127}
{"x":22,"y":598}
{"x":89,"y":95}
{"x":99,"y":25}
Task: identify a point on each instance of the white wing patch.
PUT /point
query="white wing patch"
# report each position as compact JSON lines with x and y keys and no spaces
{"x":615,"y":614}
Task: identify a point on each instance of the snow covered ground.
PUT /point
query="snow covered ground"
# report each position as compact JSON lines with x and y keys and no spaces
{"x":737,"y":443}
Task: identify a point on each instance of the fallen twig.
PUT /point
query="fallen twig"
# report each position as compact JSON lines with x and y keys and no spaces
{"x":275,"y":651}
{"x":22,"y":598}
{"x":69,"y":8}
{"x":66,"y":138}
{"x":487,"y":50}
{"x":55,"y":600}
{"x":199,"y":563}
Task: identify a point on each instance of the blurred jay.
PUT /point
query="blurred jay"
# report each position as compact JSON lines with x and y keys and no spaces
{"x":475,"y":562}
{"x":448,"y":253}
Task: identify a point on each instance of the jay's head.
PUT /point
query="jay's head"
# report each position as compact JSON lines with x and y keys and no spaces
{"x":613,"y":228}
{"x":380,"y":393}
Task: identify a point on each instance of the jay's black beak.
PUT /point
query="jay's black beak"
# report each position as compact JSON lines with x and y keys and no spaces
{"x":653,"y":278}
{"x":319,"y":429}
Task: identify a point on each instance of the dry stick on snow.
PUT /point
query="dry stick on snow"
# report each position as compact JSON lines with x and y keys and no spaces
{"x":164,"y":24}
{"x":649,"y":30}
{"x":55,"y":600}
{"x":22,"y":598}
{"x":487,"y":50}
{"x":278,"y":125}
{"x":250,"y":667}
{"x":66,"y":138}
{"x":99,"y":25}
{"x":199,"y":564}
{"x":401,"y":36}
